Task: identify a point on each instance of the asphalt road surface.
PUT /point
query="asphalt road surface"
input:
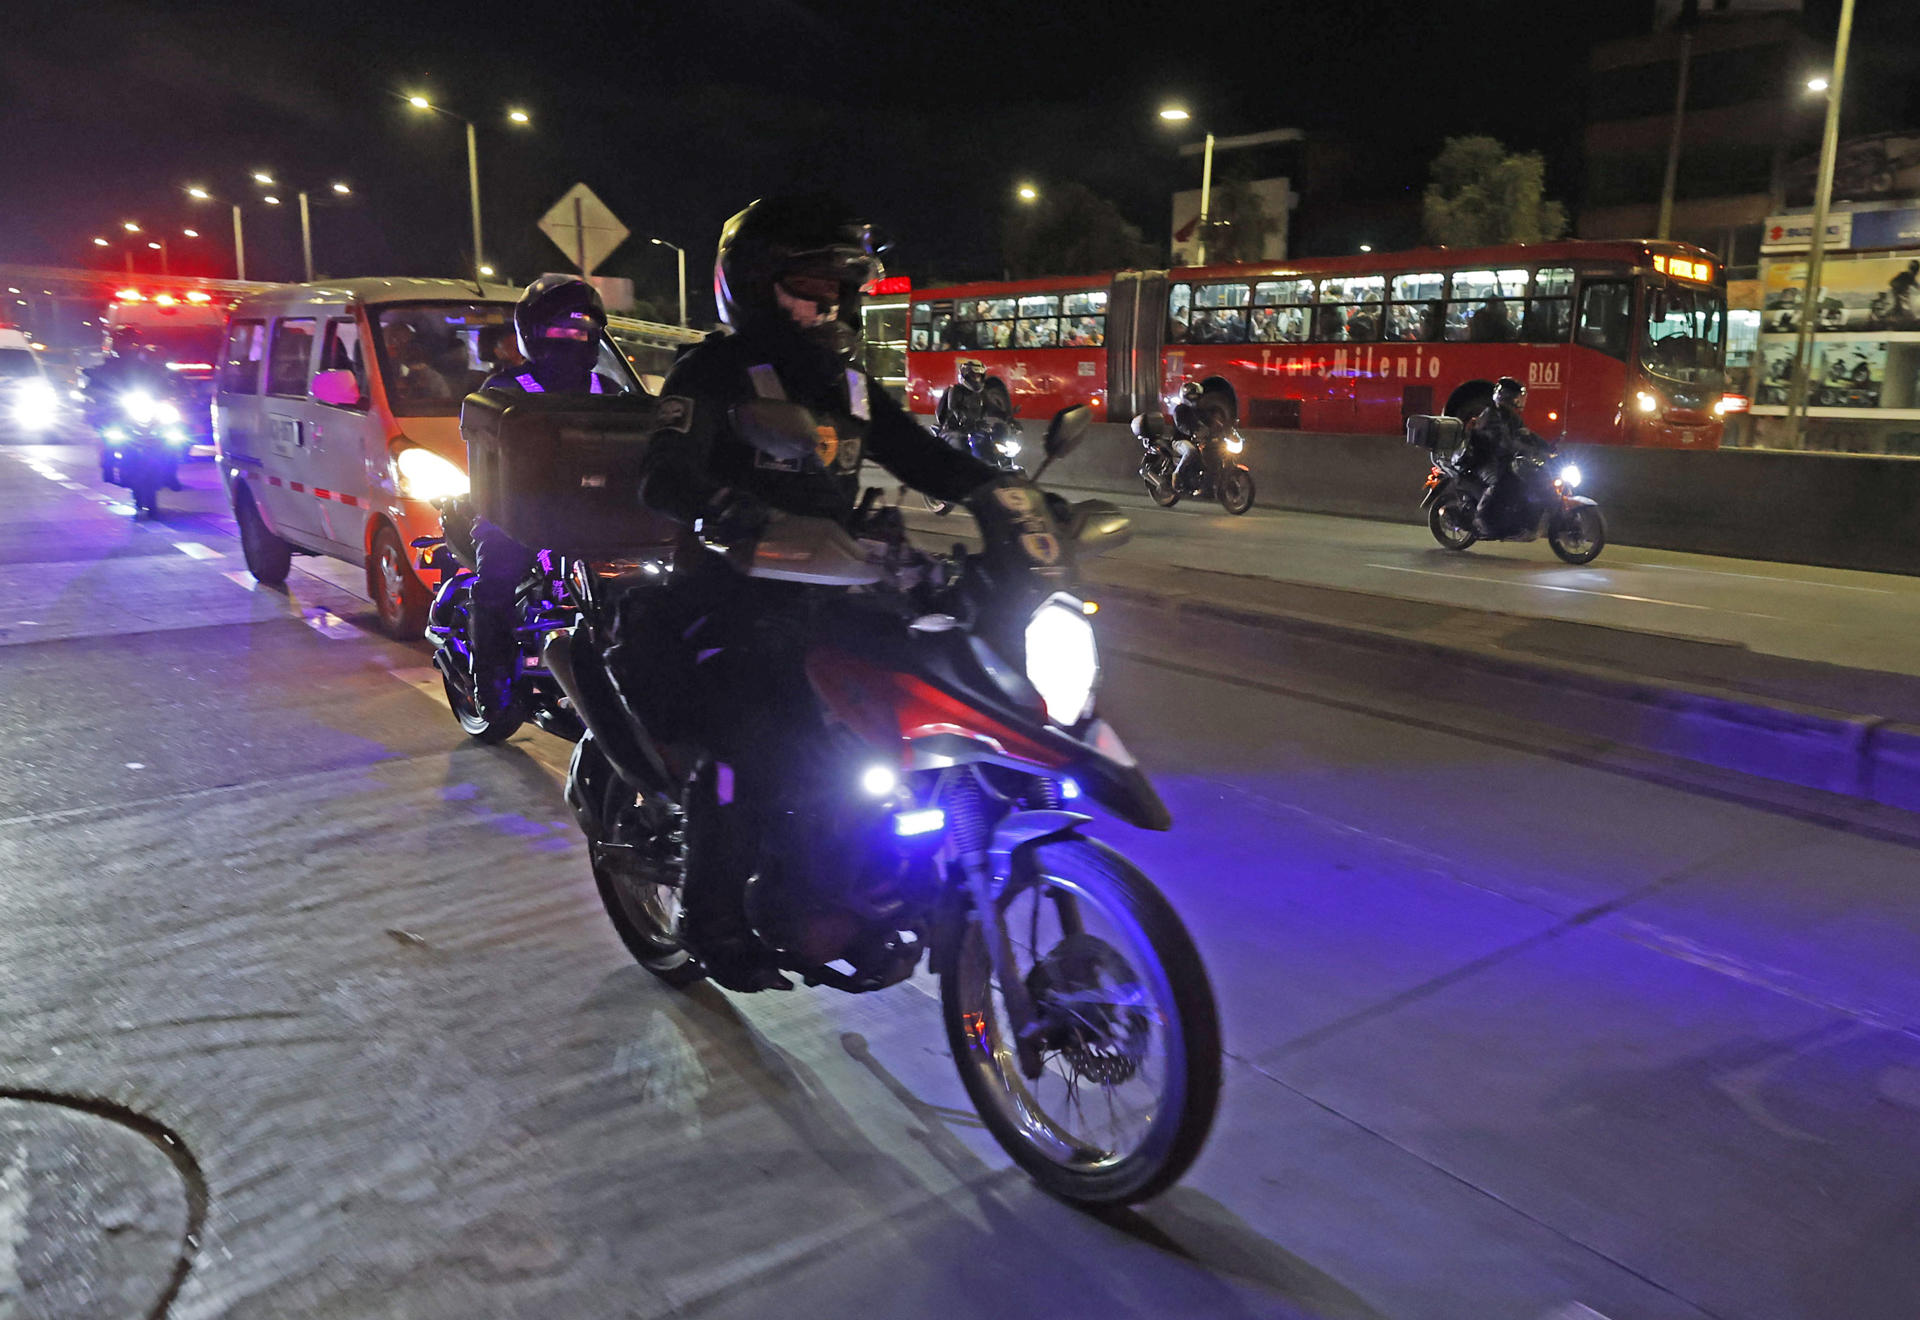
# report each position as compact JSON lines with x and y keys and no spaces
{"x":297,"y":975}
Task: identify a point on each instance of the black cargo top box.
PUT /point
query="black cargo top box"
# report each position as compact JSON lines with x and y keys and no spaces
{"x":1438,"y":434}
{"x":562,"y":471}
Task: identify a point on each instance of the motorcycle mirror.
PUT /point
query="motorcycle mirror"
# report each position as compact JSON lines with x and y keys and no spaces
{"x":1096,"y":527}
{"x":1067,"y":430}
{"x":776,"y":428}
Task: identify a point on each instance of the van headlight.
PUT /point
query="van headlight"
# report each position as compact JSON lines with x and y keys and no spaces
{"x":35,"y":404}
{"x":421,"y":474}
{"x":1063,"y":663}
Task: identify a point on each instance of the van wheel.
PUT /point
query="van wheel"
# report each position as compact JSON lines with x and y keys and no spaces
{"x":396,"y":592}
{"x":268,"y":557}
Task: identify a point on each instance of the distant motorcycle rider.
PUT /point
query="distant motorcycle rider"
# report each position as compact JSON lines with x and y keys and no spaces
{"x":1499,"y":437}
{"x":558,"y":323}
{"x":132,"y":368}
{"x":704,"y":659}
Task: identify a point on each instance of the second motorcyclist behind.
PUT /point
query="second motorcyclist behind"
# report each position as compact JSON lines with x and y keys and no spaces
{"x":1499,"y":436}
{"x":558,"y":323}
{"x":131,"y":368}
{"x":704,"y":661}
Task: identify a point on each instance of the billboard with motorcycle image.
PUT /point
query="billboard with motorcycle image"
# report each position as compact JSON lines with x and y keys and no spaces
{"x":1843,"y":373}
{"x":1856,"y":293}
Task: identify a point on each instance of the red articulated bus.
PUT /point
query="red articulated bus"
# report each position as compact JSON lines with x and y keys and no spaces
{"x":1619,"y":343}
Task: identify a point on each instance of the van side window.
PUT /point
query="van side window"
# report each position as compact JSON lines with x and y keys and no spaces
{"x":240,"y":368}
{"x":292,"y":351}
{"x":341,"y":352}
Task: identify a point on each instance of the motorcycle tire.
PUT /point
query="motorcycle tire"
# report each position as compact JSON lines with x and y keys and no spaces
{"x":1080,"y":879}
{"x":475,"y":725}
{"x":1578,"y":534}
{"x":627,"y":846}
{"x":1451,"y":522}
{"x":1236,"y":490}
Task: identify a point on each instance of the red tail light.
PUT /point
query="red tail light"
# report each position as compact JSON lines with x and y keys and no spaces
{"x":1731,"y":403}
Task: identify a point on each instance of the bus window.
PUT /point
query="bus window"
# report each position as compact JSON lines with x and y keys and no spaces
{"x":1550,"y":310}
{"x":1486,"y":306}
{"x":922,"y":331}
{"x":1219,"y":314}
{"x":1179,"y":312}
{"x":1280,"y":311}
{"x":1083,"y":319}
{"x":1350,"y":308}
{"x":1419,"y":310}
{"x":1606,"y":315}
{"x":1039,"y":325}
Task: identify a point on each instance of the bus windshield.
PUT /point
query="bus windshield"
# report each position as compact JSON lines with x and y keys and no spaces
{"x":1683,"y":333}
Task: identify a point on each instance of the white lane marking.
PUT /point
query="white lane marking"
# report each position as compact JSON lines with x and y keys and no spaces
{"x":330,"y":625}
{"x":242,"y":579}
{"x":194,"y":550}
{"x":136,"y":765}
{"x":1762,"y":577}
{"x":1573,"y":1311}
{"x":71,"y":485}
{"x":16,"y":1200}
{"x":1577,"y":591}
{"x":425,"y":680}
{"x":126,"y":510}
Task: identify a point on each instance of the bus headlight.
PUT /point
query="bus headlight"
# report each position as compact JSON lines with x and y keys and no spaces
{"x":1646,"y":401}
{"x":422,"y":474}
{"x":1063,"y":663}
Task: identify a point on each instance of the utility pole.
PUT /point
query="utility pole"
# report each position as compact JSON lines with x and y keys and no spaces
{"x":1817,"y":241}
{"x":1665,"y":227}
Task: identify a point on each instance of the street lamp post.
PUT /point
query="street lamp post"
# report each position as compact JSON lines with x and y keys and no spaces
{"x":514,"y":116}
{"x":680,"y":255}
{"x":1178,"y":114}
{"x":200,"y":194}
{"x":1817,"y":241}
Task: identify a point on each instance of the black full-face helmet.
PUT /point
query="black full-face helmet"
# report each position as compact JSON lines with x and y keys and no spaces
{"x":973,"y":374}
{"x":558,"y":322}
{"x":1509,"y":393}
{"x":783,"y":253}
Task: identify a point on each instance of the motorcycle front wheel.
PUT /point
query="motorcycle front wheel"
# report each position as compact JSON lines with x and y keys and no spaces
{"x":1236,"y":489}
{"x":460,"y":689}
{"x":1129,"y":1038}
{"x":1451,"y":522}
{"x":639,"y":866}
{"x":1578,"y":534}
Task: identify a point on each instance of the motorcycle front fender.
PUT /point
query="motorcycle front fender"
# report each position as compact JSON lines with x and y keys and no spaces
{"x":1023,"y":829}
{"x":1433,"y":495}
{"x":1580,"y":501}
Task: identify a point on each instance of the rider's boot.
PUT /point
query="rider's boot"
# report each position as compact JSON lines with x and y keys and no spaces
{"x":495,"y":655}
{"x":713,"y":913}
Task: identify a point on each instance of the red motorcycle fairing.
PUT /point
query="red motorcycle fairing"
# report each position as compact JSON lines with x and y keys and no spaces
{"x":927,"y":726}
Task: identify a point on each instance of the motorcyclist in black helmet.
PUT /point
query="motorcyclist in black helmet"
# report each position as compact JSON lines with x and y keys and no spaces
{"x":1499,"y":436}
{"x":559,"y":323}
{"x":700,"y":662}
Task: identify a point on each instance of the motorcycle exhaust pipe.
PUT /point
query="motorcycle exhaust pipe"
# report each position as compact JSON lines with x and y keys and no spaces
{"x":584,"y":679}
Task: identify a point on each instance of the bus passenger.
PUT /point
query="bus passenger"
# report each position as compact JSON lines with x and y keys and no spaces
{"x":1490,"y":325}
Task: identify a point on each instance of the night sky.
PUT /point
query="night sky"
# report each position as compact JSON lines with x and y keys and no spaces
{"x":924,"y":114}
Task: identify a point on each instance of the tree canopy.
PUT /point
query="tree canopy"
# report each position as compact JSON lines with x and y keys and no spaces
{"x":1070,"y":230}
{"x":1481,"y":194}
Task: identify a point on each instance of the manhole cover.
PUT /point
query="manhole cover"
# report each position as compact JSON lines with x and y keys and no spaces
{"x":95,"y":1214}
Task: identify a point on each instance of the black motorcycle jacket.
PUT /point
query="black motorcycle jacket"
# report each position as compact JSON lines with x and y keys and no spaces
{"x":695,"y":453}
{"x":1499,"y":434}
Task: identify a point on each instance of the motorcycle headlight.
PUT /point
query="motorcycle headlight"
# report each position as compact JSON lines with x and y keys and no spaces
{"x":1570,"y":476}
{"x":138,"y":406}
{"x":1010,"y":448}
{"x":422,"y":474}
{"x":166,"y":414}
{"x":1235,"y":444}
{"x":1063,"y":663}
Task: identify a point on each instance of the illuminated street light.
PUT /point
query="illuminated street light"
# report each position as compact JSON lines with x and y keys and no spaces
{"x":342,"y":189}
{"x":191,"y":233}
{"x":262,"y":177}
{"x":680,"y":257}
{"x":271,"y":200}
{"x":1027,"y":193}
{"x":1817,"y":84}
{"x":130,"y":227}
{"x":154,"y":246}
{"x":1366,"y":247}
{"x":199,"y":194}
{"x":515,"y":115}
{"x":1175,"y":113}
{"x":100,"y":242}
{"x":486,"y":270}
